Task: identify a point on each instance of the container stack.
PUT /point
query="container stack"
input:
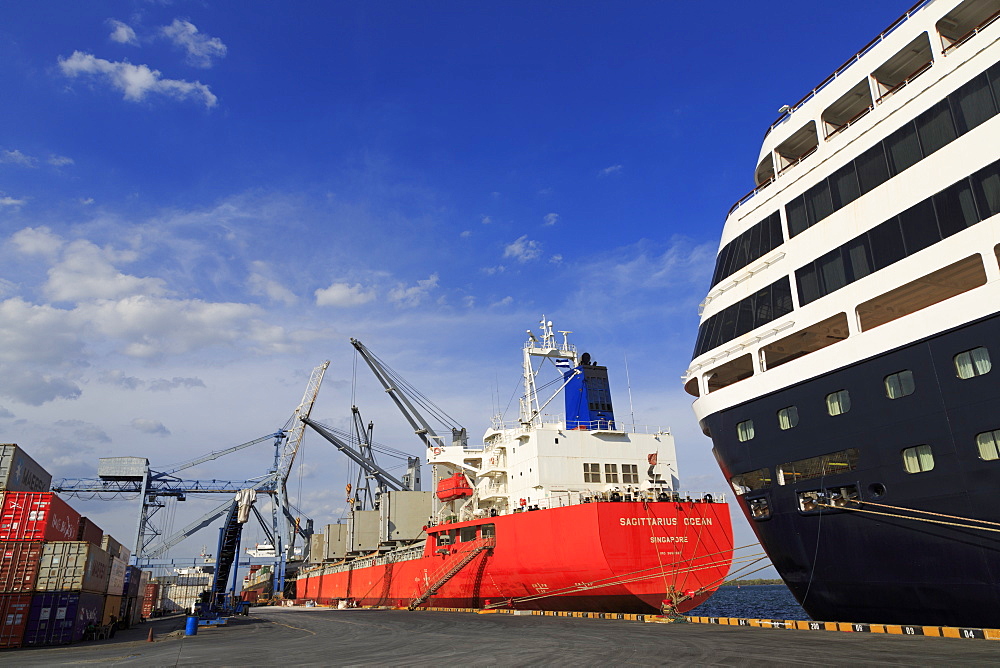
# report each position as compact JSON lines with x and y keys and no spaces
{"x":54,"y":573}
{"x":179,"y":593}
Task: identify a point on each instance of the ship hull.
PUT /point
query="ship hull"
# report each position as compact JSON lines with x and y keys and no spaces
{"x":884,"y":562}
{"x":601,"y":557}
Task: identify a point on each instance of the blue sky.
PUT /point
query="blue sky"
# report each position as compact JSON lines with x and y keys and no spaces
{"x":200,"y":202}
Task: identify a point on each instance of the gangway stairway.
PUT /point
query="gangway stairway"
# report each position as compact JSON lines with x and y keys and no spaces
{"x":229,"y":547}
{"x":464,"y":559}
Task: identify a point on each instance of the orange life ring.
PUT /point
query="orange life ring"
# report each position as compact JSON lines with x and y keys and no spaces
{"x":437,"y":451}
{"x":523,"y":503}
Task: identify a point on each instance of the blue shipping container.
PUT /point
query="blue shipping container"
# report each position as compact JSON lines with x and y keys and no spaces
{"x":60,"y":619}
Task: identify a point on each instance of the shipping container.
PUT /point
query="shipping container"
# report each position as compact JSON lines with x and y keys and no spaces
{"x":122,"y":468}
{"x":89,"y":532}
{"x":73,"y":566}
{"x":150,"y":599}
{"x":37,"y":516}
{"x":14,"y":609}
{"x":61,"y":618}
{"x":144,"y":577}
{"x":19,"y":563}
{"x":116,"y":577}
{"x":181,"y":592}
{"x":112,"y":608}
{"x":132,"y":577}
{"x":21,"y":473}
{"x":133,"y":611}
{"x":111,"y":546}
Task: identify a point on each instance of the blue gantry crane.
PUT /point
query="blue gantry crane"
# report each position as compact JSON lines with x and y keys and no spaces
{"x":119,"y":476}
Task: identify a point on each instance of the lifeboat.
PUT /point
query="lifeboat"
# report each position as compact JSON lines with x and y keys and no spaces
{"x":454,"y":487}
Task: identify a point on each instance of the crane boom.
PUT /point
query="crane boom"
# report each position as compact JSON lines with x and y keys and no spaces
{"x":383,"y":477}
{"x":291,"y":446}
{"x":400,"y":397}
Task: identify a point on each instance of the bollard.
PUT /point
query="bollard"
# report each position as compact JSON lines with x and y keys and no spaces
{"x":192,"y":626}
{"x":149,"y":638}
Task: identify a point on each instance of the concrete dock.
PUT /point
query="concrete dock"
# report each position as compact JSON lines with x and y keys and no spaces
{"x":321,"y":636}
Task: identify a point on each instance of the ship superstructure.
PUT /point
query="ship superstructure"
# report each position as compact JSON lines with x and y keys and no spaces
{"x":843,"y":363}
{"x":554,"y":512}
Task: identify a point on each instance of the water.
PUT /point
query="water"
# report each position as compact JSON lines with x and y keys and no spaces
{"x":753,"y":602}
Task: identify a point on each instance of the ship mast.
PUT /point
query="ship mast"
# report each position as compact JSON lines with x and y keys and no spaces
{"x":547,"y":347}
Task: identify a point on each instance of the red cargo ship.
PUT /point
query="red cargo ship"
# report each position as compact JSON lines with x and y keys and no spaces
{"x":549,"y":514}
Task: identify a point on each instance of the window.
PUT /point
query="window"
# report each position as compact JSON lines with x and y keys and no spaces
{"x":759,"y":240}
{"x":872,"y":168}
{"x":918,"y":459}
{"x":760,"y":308}
{"x":986,"y":184}
{"x":611,"y":473}
{"x":956,"y":208}
{"x":788,"y":417}
{"x":935,"y":128}
{"x":592,"y":473}
{"x":467,"y":534}
{"x":899,"y":384}
{"x":838,"y":403}
{"x":972,"y":104}
{"x":975,"y":362}
{"x":744,"y":430}
{"x":988,"y":444}
{"x":630,"y":473}
{"x":760,"y":509}
{"x":818,"y":467}
{"x":489,"y":530}
{"x":903,"y":148}
{"x":751,"y":481}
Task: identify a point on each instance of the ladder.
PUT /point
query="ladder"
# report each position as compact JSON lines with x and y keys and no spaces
{"x":452,"y":572}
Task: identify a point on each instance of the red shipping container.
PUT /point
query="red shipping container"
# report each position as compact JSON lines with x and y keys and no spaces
{"x":37,"y":516}
{"x":19,"y":562}
{"x":14,"y":610}
{"x":89,"y":532}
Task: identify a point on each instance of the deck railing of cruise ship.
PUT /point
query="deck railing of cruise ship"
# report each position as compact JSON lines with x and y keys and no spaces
{"x":969,"y":35}
{"x":823,"y":84}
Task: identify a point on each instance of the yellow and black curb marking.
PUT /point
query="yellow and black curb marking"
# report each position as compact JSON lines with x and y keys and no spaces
{"x":793,"y":624}
{"x":845,"y":627}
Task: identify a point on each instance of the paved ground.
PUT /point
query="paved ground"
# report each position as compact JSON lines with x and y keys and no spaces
{"x":323,"y":637}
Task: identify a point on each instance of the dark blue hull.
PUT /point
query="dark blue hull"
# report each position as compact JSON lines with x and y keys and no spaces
{"x":845,"y":565}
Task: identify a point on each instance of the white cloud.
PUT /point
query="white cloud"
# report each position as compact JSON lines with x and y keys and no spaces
{"x":15,"y":157}
{"x":487,"y":220}
{"x":37,"y":241}
{"x":165,"y":385}
{"x":34,"y":388}
{"x":551,"y":219}
{"x":201,"y":48}
{"x":10,"y":201}
{"x":117,"y":377}
{"x":86,"y":272}
{"x":87,"y":201}
{"x":465,"y":234}
{"x":556,"y":259}
{"x":490,"y":271}
{"x":413,"y":295}
{"x":122,"y":33}
{"x":523,"y":249}
{"x":135,"y":81}
{"x":506,"y":301}
{"x":4,"y":413}
{"x":147,"y":426}
{"x":84,"y":431}
{"x":344,"y":294}
{"x":262,"y":285}
{"x":608,"y":171}
{"x":60,"y":161}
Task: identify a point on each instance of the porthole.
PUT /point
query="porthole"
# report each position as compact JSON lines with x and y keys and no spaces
{"x":744,"y":430}
{"x":838,"y":403}
{"x":788,"y":417}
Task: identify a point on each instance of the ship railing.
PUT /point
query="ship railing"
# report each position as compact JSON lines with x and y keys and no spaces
{"x":972,"y":33}
{"x":515,"y":429}
{"x":787,"y":113}
{"x":561,"y":500}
